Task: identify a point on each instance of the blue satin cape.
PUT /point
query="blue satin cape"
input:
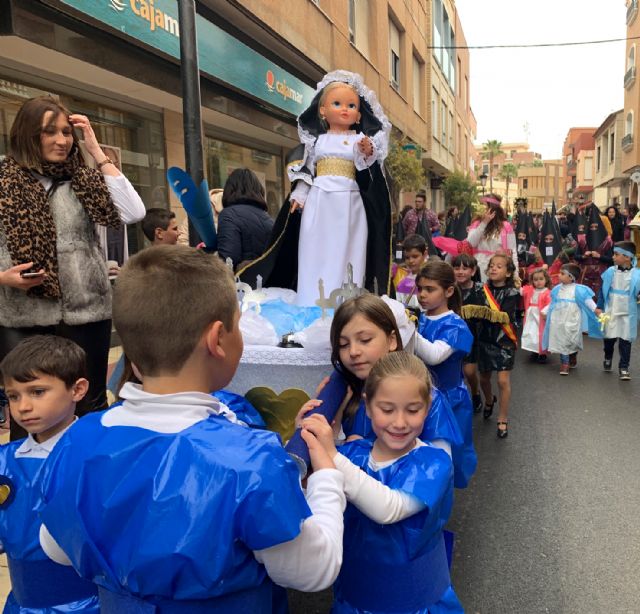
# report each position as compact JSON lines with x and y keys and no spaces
{"x":449,"y":378}
{"x":400,"y":567}
{"x":172,"y":516}
{"x":35,"y":578}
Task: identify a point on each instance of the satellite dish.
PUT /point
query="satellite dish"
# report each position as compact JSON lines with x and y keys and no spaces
{"x":635,"y":177}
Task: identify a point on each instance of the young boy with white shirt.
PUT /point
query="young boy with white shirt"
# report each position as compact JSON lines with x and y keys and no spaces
{"x":44,"y":377}
{"x":167,"y":501}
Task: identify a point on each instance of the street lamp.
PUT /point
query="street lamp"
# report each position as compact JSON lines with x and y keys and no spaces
{"x":483,"y":181}
{"x":569,"y":196}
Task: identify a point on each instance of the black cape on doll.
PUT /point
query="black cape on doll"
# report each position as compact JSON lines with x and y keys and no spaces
{"x":278,"y":266}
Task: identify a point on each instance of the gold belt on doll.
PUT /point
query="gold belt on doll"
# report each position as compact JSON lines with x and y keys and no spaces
{"x":336,"y":166}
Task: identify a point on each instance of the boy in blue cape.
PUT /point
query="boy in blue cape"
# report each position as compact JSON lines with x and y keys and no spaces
{"x":167,"y":502}
{"x":44,"y":377}
{"x":618,"y":300}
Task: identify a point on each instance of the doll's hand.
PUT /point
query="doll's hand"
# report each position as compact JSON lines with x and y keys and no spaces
{"x":318,"y":425}
{"x":305,"y":409}
{"x":365,"y":146}
{"x":595,"y":254}
{"x":588,"y":253}
{"x":545,"y":267}
{"x":295,"y":205}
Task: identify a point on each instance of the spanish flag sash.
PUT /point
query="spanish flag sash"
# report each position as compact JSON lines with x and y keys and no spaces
{"x":508,"y":328}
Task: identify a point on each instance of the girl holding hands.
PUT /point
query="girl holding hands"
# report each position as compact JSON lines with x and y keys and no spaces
{"x":400,"y":494}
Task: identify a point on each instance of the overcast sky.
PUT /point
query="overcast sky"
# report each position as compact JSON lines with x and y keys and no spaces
{"x":549,"y":89}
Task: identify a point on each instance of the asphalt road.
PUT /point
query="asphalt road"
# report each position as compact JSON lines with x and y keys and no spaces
{"x":551,"y":520}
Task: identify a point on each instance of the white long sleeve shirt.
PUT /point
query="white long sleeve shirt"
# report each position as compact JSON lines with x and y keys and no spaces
{"x":125,"y":198}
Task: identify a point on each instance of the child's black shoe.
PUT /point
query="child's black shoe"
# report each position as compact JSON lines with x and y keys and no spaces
{"x":606,"y":365}
{"x":624,"y":374}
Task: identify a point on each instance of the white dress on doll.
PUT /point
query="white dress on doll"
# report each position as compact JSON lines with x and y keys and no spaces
{"x":333,"y":230}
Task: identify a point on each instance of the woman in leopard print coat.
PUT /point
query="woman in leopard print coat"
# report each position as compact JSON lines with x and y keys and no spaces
{"x":53,"y":277}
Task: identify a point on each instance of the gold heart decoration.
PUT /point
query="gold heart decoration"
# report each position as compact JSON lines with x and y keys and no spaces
{"x":278,"y":410}
{"x":5,"y":493}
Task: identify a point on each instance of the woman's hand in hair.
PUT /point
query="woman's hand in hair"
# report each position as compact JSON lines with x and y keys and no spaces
{"x":91,"y":142}
{"x":488,"y":216}
{"x":12,"y":278}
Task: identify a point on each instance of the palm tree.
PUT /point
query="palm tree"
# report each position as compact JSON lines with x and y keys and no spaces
{"x":508,"y":172}
{"x":491,"y":149}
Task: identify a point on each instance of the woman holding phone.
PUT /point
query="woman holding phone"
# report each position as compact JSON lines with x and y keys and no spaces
{"x":53,"y":276}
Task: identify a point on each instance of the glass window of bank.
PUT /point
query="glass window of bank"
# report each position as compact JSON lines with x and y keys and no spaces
{"x":222,"y":158}
{"x":132,"y":137}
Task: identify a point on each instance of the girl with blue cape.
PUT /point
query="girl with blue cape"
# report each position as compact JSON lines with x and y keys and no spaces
{"x":400,"y":495}
{"x":443,"y":340}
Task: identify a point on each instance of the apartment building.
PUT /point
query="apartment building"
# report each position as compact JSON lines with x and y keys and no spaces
{"x":611,"y":185}
{"x":542,"y":184}
{"x":631,"y":129}
{"x":577,"y":140}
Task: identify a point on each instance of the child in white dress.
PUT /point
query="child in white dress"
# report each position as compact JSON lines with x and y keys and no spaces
{"x":568,"y":314}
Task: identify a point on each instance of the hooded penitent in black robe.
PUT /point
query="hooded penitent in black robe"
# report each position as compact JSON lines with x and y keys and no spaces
{"x":550,"y":240}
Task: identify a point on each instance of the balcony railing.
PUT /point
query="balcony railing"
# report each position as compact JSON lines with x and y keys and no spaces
{"x":630,"y":77}
{"x":627,"y":142}
{"x":632,"y":11}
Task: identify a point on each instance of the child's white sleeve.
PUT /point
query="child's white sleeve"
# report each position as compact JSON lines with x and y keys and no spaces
{"x":590,"y":304}
{"x":474,"y":236}
{"x":545,"y":310}
{"x":382,"y":504}
{"x":312,"y":560}
{"x":431,"y":353}
{"x":300,"y":192}
{"x":51,"y":547}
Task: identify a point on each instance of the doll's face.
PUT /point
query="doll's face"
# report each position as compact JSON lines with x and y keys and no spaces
{"x":548,"y":239}
{"x":593,"y":227}
{"x":580,"y":228}
{"x":341,"y":108}
{"x":522,"y":236}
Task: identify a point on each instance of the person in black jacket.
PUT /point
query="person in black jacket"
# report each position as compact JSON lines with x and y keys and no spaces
{"x":244,"y":226}
{"x":618,"y":223}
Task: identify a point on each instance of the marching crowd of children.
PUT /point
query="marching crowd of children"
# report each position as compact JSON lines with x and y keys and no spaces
{"x":170,"y":501}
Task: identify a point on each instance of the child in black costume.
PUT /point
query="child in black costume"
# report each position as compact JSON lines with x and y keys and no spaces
{"x":465,"y":267}
{"x":497,"y":337}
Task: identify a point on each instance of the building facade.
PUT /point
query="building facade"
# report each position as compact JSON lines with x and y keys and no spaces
{"x":631,"y":128}
{"x":512,"y":153}
{"x":611,"y":185}
{"x":118,"y":62}
{"x":542,"y":185}
{"x":577,"y":140}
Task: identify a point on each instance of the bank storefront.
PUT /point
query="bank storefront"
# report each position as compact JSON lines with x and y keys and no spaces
{"x":117,"y":61}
